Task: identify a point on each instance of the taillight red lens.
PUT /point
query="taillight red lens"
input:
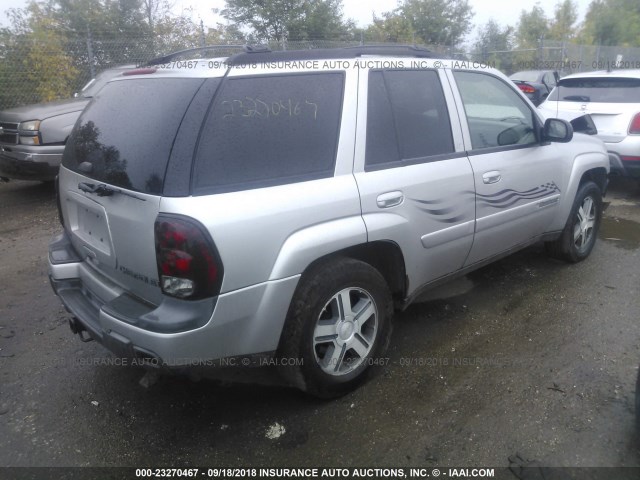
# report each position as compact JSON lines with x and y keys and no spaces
{"x":189,"y":265}
{"x":634,"y":127}
{"x":526,"y":88}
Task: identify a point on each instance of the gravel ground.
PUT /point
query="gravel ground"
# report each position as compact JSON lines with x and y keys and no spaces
{"x":529,"y":355}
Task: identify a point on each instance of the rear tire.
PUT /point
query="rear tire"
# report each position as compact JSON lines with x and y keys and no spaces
{"x":580,"y":233}
{"x":337,"y":327}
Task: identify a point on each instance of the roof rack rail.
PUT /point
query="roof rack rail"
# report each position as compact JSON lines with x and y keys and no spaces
{"x":331,"y":53}
{"x":171,"y":56}
{"x":400,"y":47}
{"x":256,"y":48}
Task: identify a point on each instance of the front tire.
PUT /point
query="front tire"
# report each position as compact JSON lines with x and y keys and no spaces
{"x":337,"y":327}
{"x":580,"y":233}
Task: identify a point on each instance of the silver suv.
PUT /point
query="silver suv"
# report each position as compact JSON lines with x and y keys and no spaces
{"x":281,"y":205}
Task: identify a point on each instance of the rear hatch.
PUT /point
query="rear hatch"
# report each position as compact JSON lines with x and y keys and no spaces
{"x":113,"y":173}
{"x":612,"y":102}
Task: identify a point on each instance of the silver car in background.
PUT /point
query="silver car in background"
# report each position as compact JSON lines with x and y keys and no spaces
{"x":612,"y":100}
{"x":32,"y":137}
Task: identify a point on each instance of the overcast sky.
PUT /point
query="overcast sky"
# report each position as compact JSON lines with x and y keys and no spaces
{"x":505,"y":12}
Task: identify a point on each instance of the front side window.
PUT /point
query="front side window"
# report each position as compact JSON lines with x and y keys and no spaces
{"x":496,"y":115}
{"x":270,"y":130}
{"x":407,"y":117}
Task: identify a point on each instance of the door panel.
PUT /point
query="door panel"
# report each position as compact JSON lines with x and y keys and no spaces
{"x":520,"y":205}
{"x":434,"y":223}
{"x":415,"y":180}
{"x":516,"y":176}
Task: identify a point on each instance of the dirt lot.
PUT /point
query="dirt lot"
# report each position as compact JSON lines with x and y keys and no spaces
{"x":529,"y":355}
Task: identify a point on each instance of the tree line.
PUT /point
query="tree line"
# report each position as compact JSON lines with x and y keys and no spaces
{"x":607,"y":22}
{"x":101,"y":33}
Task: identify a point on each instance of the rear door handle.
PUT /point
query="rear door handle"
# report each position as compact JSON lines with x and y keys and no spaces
{"x":491,"y":177}
{"x":390,"y":199}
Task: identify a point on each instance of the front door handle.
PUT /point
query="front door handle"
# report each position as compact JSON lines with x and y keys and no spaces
{"x":390,"y":199}
{"x":492,"y":177}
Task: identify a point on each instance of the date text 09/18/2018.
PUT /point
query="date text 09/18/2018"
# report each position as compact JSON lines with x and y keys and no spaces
{"x":264,"y":473}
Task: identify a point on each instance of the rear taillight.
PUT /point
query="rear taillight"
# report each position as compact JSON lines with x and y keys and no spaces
{"x":189,"y":266}
{"x":634,"y":126}
{"x":526,"y":88}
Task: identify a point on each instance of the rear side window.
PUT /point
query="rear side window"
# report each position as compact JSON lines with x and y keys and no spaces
{"x":124,"y":137}
{"x":269,"y":130}
{"x":604,"y":90}
{"x":407,"y":117}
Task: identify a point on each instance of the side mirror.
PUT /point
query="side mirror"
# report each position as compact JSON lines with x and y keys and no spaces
{"x":557,"y":130}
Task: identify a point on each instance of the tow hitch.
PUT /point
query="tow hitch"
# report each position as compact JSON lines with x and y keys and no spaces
{"x":77,"y":328}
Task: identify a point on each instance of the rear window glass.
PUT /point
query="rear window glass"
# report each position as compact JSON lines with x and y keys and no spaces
{"x":602,"y":90}
{"x":270,"y":130}
{"x":125,"y":135}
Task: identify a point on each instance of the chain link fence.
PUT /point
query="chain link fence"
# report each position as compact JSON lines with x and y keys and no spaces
{"x":35,"y":70}
{"x":564,"y":57}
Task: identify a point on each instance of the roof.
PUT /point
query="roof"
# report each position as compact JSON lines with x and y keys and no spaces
{"x":537,"y":72}
{"x":604,"y":74}
{"x":261,"y":54}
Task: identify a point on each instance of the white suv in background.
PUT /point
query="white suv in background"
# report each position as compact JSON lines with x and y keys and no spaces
{"x":612,"y":99}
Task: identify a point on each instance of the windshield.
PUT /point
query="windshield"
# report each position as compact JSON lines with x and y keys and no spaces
{"x":602,"y":90}
{"x":526,"y":76}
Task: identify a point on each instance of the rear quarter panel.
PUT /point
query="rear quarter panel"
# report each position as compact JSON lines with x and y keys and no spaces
{"x":272,"y":233}
{"x":276,"y":232}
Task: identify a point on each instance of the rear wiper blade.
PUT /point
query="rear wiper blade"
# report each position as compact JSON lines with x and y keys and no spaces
{"x":577,"y":98}
{"x":103,"y":190}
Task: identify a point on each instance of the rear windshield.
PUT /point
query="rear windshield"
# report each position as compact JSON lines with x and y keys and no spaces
{"x":125,"y":135}
{"x":601,"y":90}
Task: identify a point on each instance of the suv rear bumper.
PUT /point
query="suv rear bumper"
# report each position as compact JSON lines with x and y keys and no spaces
{"x":30,"y":163}
{"x":625,"y":168}
{"x":243,"y":322}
